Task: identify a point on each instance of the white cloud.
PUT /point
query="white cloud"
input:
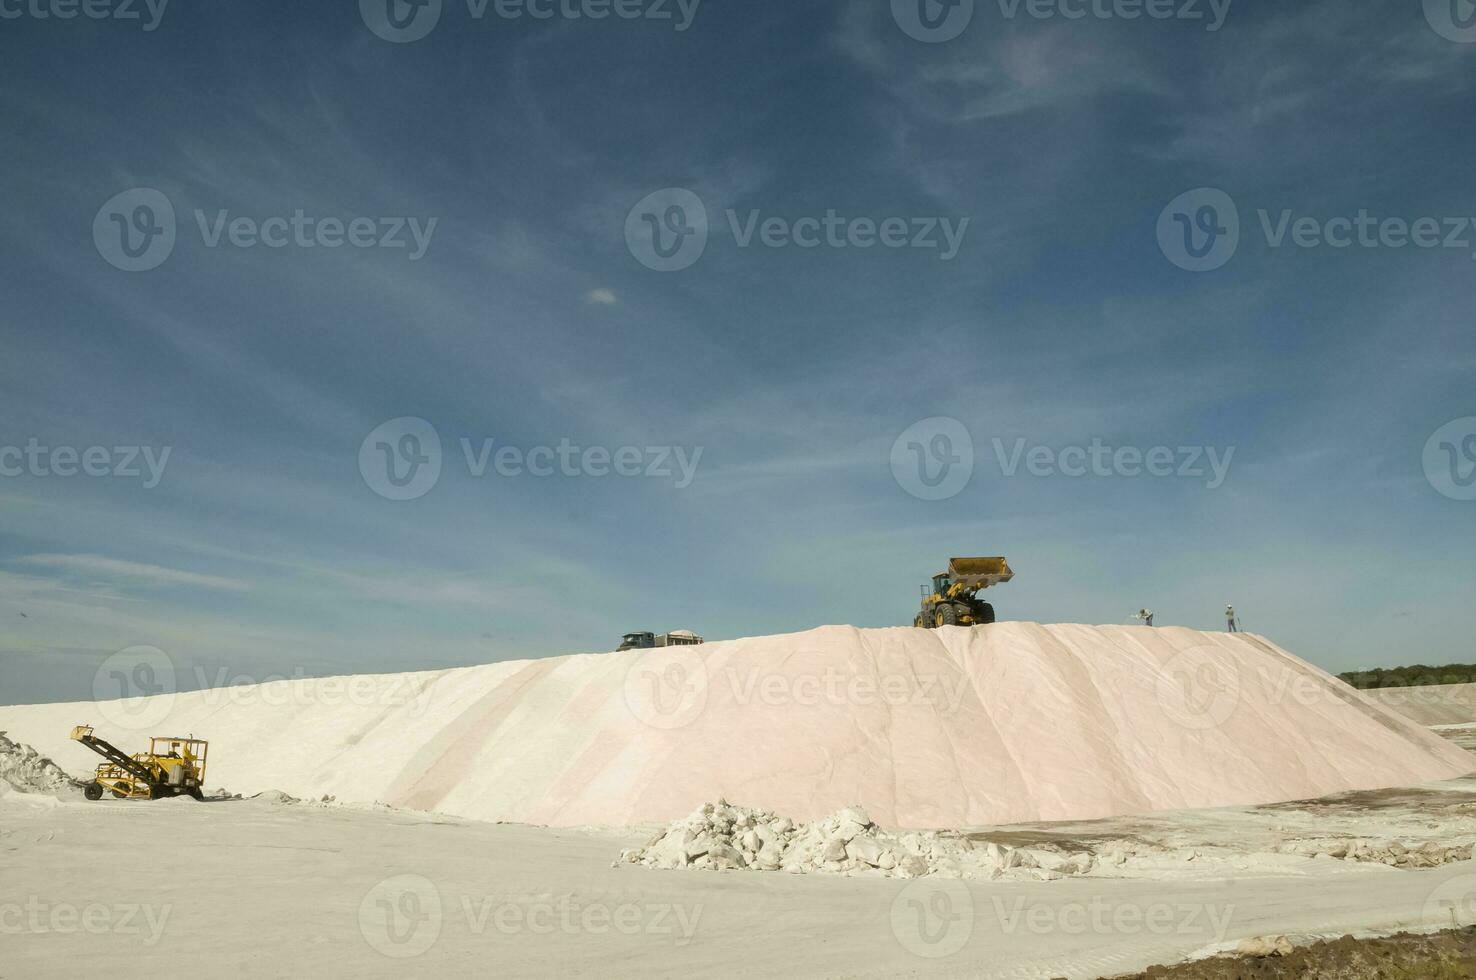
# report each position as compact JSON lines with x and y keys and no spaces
{"x":114,"y":568}
{"x":602,"y":297}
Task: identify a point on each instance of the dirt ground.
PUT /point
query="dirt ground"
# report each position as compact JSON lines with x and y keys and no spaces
{"x":1449,"y":955}
{"x":1462,"y":735}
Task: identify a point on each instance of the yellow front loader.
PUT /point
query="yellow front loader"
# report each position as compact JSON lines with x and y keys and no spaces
{"x":172,"y":766}
{"x":953,"y":599}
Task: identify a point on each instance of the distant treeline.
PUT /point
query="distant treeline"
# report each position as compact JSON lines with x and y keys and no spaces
{"x":1415,"y":675}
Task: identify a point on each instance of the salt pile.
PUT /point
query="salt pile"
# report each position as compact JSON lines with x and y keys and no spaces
{"x":1394,"y":853}
{"x":723,"y":837}
{"x":27,"y":771}
{"x":1439,"y":704}
{"x":955,"y":727}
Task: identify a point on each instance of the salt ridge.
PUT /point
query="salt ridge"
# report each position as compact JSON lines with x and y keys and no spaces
{"x":925,"y":728}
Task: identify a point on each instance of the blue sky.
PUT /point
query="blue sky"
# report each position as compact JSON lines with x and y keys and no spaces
{"x":531,"y":319}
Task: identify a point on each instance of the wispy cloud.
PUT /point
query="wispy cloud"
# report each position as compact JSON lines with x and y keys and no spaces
{"x":114,"y":569}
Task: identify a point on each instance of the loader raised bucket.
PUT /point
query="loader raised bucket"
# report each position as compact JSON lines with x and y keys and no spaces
{"x":979,"y":573}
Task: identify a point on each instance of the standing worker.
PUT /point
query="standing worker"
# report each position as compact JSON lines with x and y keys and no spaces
{"x":1146,"y":615}
{"x":1231,"y":623}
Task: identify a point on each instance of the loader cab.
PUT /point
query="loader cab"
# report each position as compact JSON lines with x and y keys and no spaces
{"x":186,"y":749}
{"x":179,"y":761}
{"x":637,"y":641}
{"x":941,"y":583}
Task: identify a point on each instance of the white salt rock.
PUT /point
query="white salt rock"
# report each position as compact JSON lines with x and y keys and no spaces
{"x":726,"y":857}
{"x":865,"y":850}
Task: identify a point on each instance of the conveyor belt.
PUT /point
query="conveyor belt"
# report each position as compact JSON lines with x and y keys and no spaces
{"x":120,"y":759}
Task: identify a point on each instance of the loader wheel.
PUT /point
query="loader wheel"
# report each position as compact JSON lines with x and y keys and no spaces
{"x":195,"y":794}
{"x":985,"y":615}
{"x":119,"y":794}
{"x":946,"y":615}
{"x":93,"y":791}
